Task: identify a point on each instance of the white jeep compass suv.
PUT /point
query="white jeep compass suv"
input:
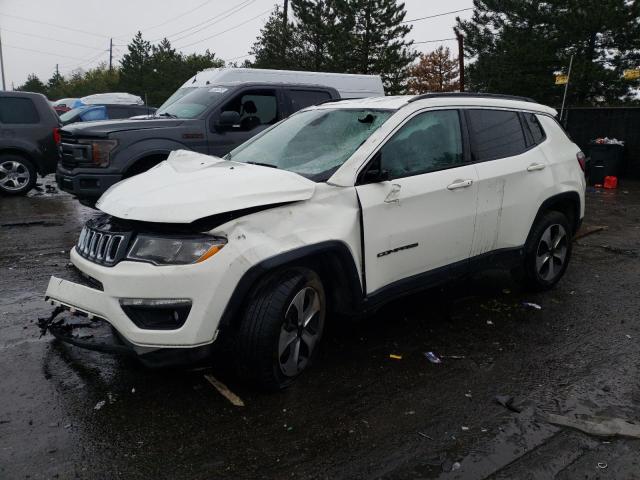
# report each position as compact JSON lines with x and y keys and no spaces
{"x":337,"y":209}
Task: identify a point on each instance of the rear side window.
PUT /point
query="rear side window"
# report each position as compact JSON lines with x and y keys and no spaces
{"x":305,"y":98}
{"x":534,"y":127}
{"x":92,"y":114}
{"x":18,"y":110}
{"x":496,"y":134}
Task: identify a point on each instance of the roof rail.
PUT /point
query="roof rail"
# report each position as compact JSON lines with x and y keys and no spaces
{"x":497,"y":96}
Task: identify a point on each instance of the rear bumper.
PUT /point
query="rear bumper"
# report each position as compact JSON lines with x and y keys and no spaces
{"x":85,"y":185}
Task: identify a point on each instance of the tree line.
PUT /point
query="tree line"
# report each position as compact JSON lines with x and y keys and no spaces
{"x":511,"y":46}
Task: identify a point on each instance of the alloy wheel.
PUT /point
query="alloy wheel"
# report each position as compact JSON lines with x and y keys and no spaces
{"x":552,"y":252}
{"x":300,"y":332}
{"x":13,"y":175}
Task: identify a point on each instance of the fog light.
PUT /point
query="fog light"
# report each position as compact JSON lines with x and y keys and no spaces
{"x":157,"y":314}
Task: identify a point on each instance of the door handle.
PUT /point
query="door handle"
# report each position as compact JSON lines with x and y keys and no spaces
{"x":535,"y":166}
{"x":393,"y":194}
{"x":460,"y":184}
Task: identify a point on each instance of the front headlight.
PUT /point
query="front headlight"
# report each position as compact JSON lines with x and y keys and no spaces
{"x":101,"y":151}
{"x":176,"y":250}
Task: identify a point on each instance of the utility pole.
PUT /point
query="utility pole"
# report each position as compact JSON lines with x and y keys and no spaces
{"x":285,"y":22}
{"x":460,"y":57}
{"x":566,"y":87}
{"x":57,"y":71}
{"x":4,"y":87}
{"x":110,"y":53}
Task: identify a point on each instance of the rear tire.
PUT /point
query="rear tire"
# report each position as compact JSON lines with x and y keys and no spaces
{"x":548,"y":251}
{"x":17,"y":175}
{"x":280,"y":329}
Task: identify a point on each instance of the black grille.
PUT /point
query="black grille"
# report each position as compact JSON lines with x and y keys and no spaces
{"x":74,"y":153}
{"x":100,"y":244}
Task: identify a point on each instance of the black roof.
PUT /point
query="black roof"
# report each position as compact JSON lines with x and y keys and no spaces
{"x":472,"y":95}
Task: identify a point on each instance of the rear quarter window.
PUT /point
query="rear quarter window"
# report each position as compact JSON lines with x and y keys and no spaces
{"x":535,"y":129}
{"x":18,"y":110}
{"x":496,"y":134}
{"x":304,"y":98}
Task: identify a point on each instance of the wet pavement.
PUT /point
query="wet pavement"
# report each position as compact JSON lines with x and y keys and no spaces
{"x":67,"y":413}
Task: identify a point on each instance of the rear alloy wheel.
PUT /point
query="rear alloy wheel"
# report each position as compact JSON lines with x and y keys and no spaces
{"x":548,"y":251}
{"x":281,"y":328}
{"x":17,"y":175}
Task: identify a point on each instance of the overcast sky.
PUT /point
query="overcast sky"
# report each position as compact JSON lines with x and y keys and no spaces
{"x":33,"y":31}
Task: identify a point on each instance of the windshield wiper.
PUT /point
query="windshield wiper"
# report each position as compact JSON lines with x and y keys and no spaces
{"x":263,"y":164}
{"x":166,"y":114}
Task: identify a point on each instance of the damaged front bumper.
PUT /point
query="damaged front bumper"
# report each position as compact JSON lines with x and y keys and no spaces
{"x":140,"y":301}
{"x":98,"y":335}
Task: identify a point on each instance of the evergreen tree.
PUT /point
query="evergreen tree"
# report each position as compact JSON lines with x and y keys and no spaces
{"x":270,"y":49}
{"x":56,"y":86}
{"x":379,"y":41}
{"x":33,"y":84}
{"x":435,"y":72}
{"x":135,"y":67}
{"x":519,"y":45}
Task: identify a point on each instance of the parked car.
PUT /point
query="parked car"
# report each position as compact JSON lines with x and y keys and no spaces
{"x":64,"y":105}
{"x":29,"y":140}
{"x":340,"y":208}
{"x":213,"y":112}
{"x":92,"y":113}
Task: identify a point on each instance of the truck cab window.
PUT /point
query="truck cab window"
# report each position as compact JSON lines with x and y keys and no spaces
{"x":256,"y":108}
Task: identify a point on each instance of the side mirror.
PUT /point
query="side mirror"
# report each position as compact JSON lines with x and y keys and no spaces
{"x":228,"y":119}
{"x":375,"y":175}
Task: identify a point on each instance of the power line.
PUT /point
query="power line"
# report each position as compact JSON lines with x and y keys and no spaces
{"x":435,"y":41}
{"x":85,"y":61}
{"x":64,"y":27}
{"x":218,"y":18}
{"x":437,"y":15}
{"x":51,"y":38}
{"x":175,"y":18}
{"x":40,"y":51}
{"x":224,"y":31}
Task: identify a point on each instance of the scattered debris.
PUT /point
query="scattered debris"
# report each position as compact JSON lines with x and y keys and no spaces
{"x":465,"y":428}
{"x":432,"y":357}
{"x":133,"y":390}
{"x":410,"y":412}
{"x":393,"y":356}
{"x":507,"y":402}
{"x":489,"y":322}
{"x":454,"y":357}
{"x":100,"y":404}
{"x":602,"y":465}
{"x":628,"y":336}
{"x":598,"y":426}
{"x":588,"y":230}
{"x":531,"y":305}
{"x":506,"y":291}
{"x":455,"y":466}
{"x":425,"y":435}
{"x":224,"y":391}
{"x":468,"y":395}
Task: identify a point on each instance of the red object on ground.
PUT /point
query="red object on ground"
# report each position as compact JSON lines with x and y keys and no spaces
{"x":610,"y":182}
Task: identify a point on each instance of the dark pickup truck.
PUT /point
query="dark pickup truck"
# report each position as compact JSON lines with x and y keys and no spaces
{"x":211,"y":120}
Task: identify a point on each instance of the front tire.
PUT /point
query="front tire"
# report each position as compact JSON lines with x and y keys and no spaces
{"x":280,"y":329}
{"x":548,"y":251}
{"x":17,"y":175}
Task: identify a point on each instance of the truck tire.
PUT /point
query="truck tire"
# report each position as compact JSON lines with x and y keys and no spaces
{"x":548,"y":251}
{"x":17,"y":175}
{"x":281,"y":328}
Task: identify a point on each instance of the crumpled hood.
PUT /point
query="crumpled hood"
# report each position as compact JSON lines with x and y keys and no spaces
{"x":189,"y":186}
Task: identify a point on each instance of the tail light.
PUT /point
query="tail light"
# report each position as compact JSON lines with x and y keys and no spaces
{"x":56,"y":136}
{"x":582,"y":160}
